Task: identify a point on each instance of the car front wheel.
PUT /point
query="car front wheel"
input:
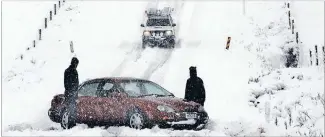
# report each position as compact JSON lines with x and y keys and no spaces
{"x":136,"y":121}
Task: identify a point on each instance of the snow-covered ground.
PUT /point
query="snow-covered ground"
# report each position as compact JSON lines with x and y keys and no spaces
{"x":21,"y":21}
{"x":106,"y":42}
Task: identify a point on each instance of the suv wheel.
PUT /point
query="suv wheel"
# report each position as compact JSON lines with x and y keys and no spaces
{"x":171,"y":43}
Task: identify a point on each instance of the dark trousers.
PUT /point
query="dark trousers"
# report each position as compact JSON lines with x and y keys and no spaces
{"x":71,"y":104}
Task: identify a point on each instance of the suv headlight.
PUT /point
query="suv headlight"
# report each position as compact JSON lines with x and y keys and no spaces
{"x":168,"y":33}
{"x":165,"y":109}
{"x":146,"y":33}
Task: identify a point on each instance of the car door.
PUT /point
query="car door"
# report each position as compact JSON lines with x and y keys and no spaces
{"x":88,"y":103}
{"x":130,"y":88}
{"x":111,"y":105}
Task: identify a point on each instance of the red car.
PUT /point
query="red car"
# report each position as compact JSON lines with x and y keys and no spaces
{"x":133,"y":102}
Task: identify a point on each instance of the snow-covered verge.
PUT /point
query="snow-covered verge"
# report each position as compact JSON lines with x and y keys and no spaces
{"x":104,"y":41}
{"x":21,"y":21}
{"x":292,"y":99}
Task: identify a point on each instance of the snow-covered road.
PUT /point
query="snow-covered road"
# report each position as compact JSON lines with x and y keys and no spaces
{"x":107,"y":42}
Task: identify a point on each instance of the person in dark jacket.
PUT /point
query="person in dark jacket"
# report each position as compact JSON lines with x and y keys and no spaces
{"x":71,"y":83}
{"x":195,"y":90}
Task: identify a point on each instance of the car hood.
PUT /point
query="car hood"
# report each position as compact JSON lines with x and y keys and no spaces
{"x":176,"y":103}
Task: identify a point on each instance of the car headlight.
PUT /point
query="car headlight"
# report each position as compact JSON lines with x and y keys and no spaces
{"x":165,"y":109}
{"x":201,"y":109}
{"x":168,"y":33}
{"x":146,"y":33}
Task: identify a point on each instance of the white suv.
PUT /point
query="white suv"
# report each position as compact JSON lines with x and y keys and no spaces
{"x":158,"y":29}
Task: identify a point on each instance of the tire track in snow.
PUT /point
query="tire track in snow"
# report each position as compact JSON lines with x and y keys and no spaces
{"x":162,"y":56}
{"x":136,"y":52}
{"x":133,"y":55}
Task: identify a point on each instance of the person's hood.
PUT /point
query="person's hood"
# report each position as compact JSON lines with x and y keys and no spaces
{"x":193,"y":72}
{"x":74,"y":62}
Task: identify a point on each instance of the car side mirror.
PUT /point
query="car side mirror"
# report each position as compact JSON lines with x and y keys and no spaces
{"x":174,"y":24}
{"x":142,"y":25}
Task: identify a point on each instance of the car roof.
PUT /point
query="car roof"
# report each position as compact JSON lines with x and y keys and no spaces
{"x":116,"y":79}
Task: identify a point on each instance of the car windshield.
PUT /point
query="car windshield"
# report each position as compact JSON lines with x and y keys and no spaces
{"x":140,"y":89}
{"x":158,"y":22}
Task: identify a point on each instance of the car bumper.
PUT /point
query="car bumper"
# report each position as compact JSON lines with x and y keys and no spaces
{"x":180,"y":121}
{"x":156,"y":40}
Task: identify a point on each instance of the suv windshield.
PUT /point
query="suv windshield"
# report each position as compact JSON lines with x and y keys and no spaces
{"x":146,"y":88}
{"x":158,"y":22}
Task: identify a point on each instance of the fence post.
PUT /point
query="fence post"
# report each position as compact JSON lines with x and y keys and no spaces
{"x":40,"y":34}
{"x":323,"y":55}
{"x":311,"y":57}
{"x":228,"y":43}
{"x":293,"y":27}
{"x":289,"y":19}
{"x":50,"y":15}
{"x":316,"y":55}
{"x":45,"y":22}
{"x":297,"y":37}
{"x":34,"y":43}
{"x":54,"y":9}
{"x":71,"y":47}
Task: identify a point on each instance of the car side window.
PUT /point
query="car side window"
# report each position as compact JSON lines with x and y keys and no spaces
{"x":108,"y":86}
{"x":131,"y":88}
{"x":106,"y":89}
{"x":154,"y":89}
{"x":88,"y":90}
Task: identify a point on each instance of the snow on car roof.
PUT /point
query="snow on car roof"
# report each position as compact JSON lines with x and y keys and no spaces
{"x":117,"y":79}
{"x":152,"y":12}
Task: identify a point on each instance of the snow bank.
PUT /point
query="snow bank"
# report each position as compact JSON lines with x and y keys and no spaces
{"x":291,"y":99}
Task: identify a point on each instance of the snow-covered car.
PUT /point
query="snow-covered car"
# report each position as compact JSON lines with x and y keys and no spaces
{"x":158,"y":28}
{"x":122,"y":101}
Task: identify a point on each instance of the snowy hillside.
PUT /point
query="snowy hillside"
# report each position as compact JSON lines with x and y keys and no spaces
{"x":21,"y":19}
{"x":249,"y":92}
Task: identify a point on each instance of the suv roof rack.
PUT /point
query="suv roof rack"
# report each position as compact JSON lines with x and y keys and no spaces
{"x":166,"y":11}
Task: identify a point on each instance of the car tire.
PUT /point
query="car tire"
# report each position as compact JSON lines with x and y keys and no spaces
{"x":136,"y":119}
{"x":65,"y":120}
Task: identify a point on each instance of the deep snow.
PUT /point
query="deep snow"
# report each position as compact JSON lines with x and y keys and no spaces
{"x":106,"y":41}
